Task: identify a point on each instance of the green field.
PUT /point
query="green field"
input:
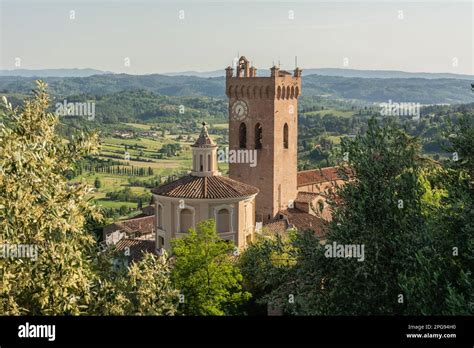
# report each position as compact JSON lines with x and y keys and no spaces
{"x":146,"y":148}
{"x":335,"y":112}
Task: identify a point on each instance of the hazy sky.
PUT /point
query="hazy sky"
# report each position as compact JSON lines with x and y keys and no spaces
{"x":428,"y":36}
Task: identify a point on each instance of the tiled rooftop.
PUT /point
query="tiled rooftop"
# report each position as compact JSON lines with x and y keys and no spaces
{"x":208,"y":187}
{"x":316,"y":176}
{"x":136,"y":247}
{"x":306,"y":197}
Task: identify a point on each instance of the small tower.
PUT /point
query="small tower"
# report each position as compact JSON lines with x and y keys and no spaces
{"x":204,"y":155}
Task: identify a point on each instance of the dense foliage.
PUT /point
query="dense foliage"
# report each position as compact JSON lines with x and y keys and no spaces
{"x":57,"y":267}
{"x":206,"y":274}
{"x":414,"y":219}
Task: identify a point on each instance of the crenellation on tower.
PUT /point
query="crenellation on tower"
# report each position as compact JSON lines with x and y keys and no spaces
{"x":263,"y":117}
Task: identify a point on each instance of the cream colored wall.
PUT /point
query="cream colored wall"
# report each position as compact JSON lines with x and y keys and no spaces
{"x":204,"y":209}
{"x":246,"y":222}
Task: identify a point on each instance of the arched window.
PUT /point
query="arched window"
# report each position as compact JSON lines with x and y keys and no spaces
{"x":278,"y":92}
{"x":285,"y":136}
{"x":209,"y":162}
{"x":243,"y":136}
{"x":185,"y":220}
{"x":160,"y":216}
{"x":223,"y":221}
{"x":258,"y":136}
{"x":201,"y":164}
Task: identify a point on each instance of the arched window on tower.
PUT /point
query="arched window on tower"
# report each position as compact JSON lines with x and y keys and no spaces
{"x":201,"y":163}
{"x":243,"y":136}
{"x":285,"y":136}
{"x":258,"y":136}
{"x":209,"y":163}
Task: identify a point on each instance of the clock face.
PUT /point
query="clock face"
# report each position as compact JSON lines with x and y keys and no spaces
{"x":239,"y":110}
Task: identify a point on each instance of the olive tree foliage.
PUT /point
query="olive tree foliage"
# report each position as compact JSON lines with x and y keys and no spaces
{"x":41,"y":212}
{"x":38,"y":208}
{"x":143,"y":288}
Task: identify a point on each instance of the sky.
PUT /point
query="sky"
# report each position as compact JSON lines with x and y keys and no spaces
{"x":145,"y":36}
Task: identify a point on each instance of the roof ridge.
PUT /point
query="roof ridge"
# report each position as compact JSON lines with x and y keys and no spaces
{"x":320,"y":169}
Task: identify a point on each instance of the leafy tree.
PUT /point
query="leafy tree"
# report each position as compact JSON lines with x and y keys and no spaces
{"x":206,"y":274}
{"x":265,"y":266}
{"x":443,"y":283}
{"x":382,"y":211}
{"x":144,"y":288}
{"x":38,"y":208}
{"x":408,"y":213}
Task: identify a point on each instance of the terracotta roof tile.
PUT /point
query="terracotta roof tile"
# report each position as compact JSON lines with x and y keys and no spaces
{"x":141,"y":225}
{"x":277,"y":227}
{"x":316,"y":176}
{"x":306,"y":197}
{"x":136,"y":247}
{"x":207,"y":187}
{"x":304,"y":221}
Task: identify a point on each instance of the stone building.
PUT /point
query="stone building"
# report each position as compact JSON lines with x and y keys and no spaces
{"x":263,"y":117}
{"x":202,"y":195}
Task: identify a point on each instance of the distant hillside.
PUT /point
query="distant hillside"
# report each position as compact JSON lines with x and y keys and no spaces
{"x":418,"y":90}
{"x":52,"y":72}
{"x":112,"y":83}
{"x":425,"y":91}
{"x":383,"y":74}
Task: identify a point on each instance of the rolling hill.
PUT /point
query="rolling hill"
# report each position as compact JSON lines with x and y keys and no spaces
{"x":421,"y":90}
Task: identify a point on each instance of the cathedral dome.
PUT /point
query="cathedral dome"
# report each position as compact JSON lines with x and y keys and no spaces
{"x":205,"y":181}
{"x":207,"y":187}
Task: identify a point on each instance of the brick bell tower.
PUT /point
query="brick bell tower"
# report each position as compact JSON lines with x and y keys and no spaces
{"x":263,"y":116}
